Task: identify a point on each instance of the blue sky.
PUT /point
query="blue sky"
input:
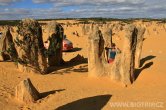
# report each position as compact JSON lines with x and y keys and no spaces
{"x":41,"y":9}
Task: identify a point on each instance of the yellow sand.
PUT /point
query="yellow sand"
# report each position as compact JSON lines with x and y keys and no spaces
{"x":76,"y":91}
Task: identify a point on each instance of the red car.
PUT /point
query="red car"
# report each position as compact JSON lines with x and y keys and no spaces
{"x":67,"y":45}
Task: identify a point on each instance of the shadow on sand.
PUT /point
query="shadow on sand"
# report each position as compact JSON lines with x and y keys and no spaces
{"x":45,"y":94}
{"x":147,"y":58}
{"x":65,"y":69}
{"x":74,"y":50}
{"x":147,"y":65}
{"x":90,"y":103}
{"x":68,"y":67}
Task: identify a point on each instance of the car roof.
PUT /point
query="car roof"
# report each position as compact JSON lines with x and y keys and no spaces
{"x":66,"y":41}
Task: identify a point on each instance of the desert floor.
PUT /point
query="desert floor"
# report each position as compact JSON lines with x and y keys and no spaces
{"x":70,"y":88}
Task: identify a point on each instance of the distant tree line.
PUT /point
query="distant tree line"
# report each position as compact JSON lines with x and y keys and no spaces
{"x":9,"y":22}
{"x":86,"y":20}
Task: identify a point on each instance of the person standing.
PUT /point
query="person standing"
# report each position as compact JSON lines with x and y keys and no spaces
{"x":112,"y":51}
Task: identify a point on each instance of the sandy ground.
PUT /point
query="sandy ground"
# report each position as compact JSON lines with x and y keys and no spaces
{"x":70,"y":88}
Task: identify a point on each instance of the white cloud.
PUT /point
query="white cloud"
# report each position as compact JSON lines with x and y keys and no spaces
{"x":20,"y":13}
{"x":7,"y":2}
{"x":87,"y":1}
{"x":89,"y":8}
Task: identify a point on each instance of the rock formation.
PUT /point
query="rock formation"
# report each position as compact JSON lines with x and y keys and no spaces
{"x":55,"y":34}
{"x":123,"y":67}
{"x":107,"y":35}
{"x":96,"y":46}
{"x":26,"y":92}
{"x":7,"y":48}
{"x":127,"y":64}
{"x":140,"y":39}
{"x":30,"y":48}
{"x":86,"y":28}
